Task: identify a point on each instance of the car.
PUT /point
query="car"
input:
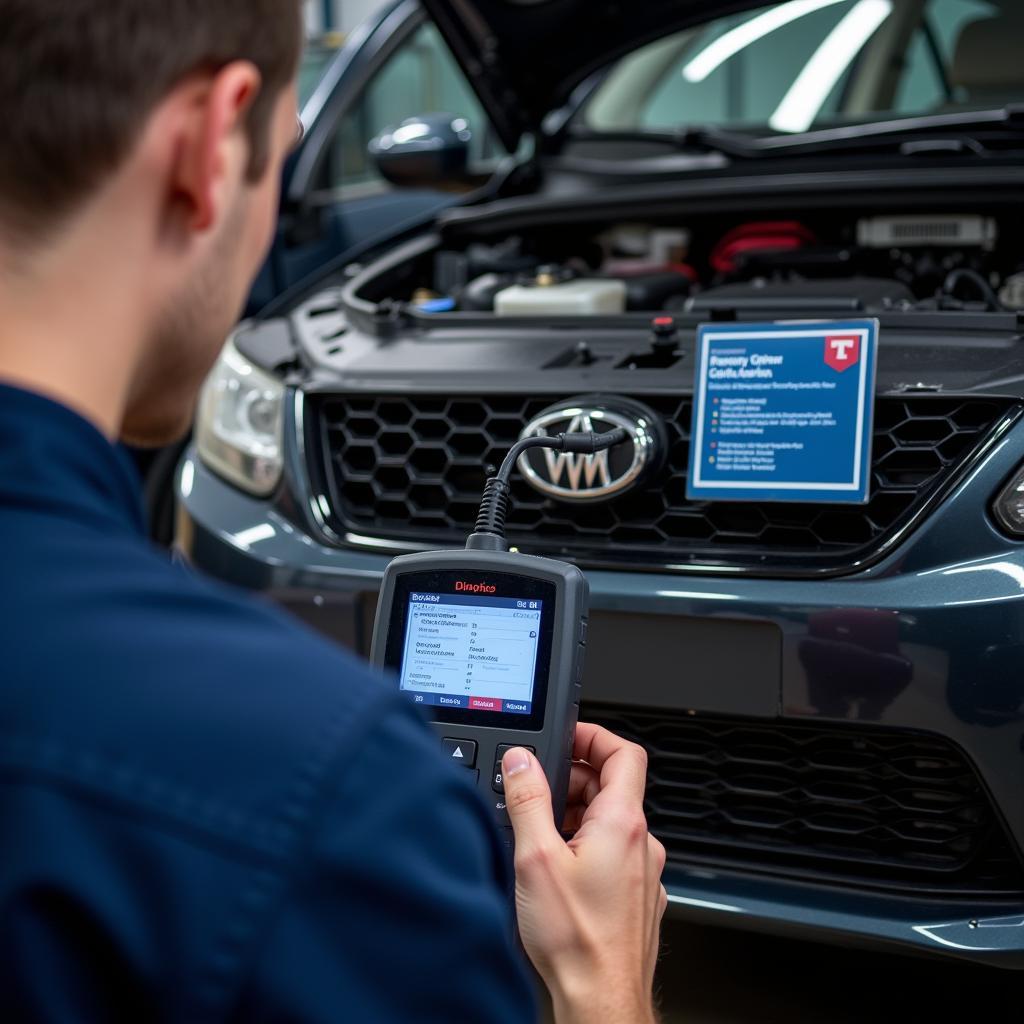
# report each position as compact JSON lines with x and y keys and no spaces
{"x":831,"y":695}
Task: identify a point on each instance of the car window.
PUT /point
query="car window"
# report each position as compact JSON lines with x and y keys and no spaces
{"x":317,"y":56}
{"x":420,"y":77}
{"x":928,"y":79}
{"x":811,"y":63}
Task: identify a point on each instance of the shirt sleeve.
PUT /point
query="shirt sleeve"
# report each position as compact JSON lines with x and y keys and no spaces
{"x":398,"y":912}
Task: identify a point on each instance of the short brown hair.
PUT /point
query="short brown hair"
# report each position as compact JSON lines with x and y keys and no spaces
{"x":78,"y":78}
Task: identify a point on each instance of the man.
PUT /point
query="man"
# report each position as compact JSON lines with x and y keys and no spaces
{"x":205,"y":812}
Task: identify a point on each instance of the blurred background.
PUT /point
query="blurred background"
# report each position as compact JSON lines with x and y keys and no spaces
{"x":323,"y":16}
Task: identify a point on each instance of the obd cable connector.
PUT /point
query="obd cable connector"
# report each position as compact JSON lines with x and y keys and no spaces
{"x":489,"y":534}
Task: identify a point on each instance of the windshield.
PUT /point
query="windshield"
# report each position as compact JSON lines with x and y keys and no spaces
{"x":808,"y":64}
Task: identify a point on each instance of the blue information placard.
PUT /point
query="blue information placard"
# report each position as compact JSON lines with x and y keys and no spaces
{"x":783,"y":412}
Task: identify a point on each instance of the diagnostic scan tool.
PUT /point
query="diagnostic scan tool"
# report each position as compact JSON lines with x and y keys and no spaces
{"x":490,"y":642}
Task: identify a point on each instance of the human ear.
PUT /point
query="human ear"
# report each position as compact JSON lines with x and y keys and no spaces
{"x":213,"y":150}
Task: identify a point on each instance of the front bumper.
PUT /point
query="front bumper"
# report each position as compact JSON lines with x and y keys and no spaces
{"x":956,"y":589}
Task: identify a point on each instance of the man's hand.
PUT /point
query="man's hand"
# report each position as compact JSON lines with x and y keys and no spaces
{"x":589,"y":910}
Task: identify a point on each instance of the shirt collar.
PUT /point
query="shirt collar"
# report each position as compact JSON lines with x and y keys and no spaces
{"x":54,"y":460}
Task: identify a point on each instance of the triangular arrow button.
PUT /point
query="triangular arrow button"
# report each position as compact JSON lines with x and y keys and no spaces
{"x":460,"y":750}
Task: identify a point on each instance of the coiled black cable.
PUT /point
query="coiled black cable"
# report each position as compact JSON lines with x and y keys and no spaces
{"x":493,"y":508}
{"x":490,"y":521}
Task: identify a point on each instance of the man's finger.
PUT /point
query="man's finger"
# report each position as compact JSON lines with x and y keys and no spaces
{"x":657,"y":854}
{"x":573,"y":820}
{"x":584,"y":785}
{"x":622,"y":765}
{"x":528,"y":800}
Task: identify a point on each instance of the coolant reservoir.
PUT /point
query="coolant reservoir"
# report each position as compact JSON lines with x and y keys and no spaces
{"x":582,"y":297}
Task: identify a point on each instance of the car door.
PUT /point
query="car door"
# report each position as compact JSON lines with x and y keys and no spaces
{"x":334,"y":198}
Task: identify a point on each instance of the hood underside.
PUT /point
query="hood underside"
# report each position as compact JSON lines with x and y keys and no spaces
{"x":525,"y":57}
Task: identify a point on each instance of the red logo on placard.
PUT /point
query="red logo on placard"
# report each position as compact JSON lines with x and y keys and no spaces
{"x":842,"y":351}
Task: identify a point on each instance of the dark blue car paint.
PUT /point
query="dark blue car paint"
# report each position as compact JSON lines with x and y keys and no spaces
{"x":955,"y":587}
{"x":939,"y":619}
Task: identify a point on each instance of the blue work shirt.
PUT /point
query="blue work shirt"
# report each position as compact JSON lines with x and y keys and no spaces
{"x":208,"y":813}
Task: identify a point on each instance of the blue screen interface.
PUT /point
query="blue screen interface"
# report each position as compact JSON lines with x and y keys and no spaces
{"x":468,"y":651}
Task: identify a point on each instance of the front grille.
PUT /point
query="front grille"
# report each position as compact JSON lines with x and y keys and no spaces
{"x":881,"y":809}
{"x":412,"y":468}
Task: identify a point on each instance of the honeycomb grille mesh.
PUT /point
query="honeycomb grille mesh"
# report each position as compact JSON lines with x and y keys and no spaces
{"x":869,"y":807}
{"x":412,"y":468}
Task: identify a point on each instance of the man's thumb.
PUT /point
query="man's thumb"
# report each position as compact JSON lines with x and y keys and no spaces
{"x":528,"y":799}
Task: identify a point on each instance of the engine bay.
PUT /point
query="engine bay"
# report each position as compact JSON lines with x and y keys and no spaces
{"x":568,"y":298}
{"x":823,"y":263}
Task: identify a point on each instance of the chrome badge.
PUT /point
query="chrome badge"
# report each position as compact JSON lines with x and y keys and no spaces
{"x":573,"y":477}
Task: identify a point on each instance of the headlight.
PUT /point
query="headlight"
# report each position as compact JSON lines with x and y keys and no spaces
{"x":1008,"y":508}
{"x":238,"y":426}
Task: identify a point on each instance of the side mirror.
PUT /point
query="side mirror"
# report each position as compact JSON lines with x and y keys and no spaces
{"x":426,"y":150}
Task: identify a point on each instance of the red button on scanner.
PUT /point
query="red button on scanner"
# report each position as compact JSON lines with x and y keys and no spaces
{"x":485,"y":703}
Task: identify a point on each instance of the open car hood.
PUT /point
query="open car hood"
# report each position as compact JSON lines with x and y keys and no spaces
{"x":524,"y":57}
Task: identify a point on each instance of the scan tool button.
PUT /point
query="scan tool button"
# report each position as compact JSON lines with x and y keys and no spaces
{"x":504,"y":748}
{"x":460,"y":751}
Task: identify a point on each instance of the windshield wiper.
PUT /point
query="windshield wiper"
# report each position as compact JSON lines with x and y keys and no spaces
{"x":901,"y":132}
{"x":711,"y":138}
{"x":931,"y":134}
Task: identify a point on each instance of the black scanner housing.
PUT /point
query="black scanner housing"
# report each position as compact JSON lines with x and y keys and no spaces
{"x":553,"y":739}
